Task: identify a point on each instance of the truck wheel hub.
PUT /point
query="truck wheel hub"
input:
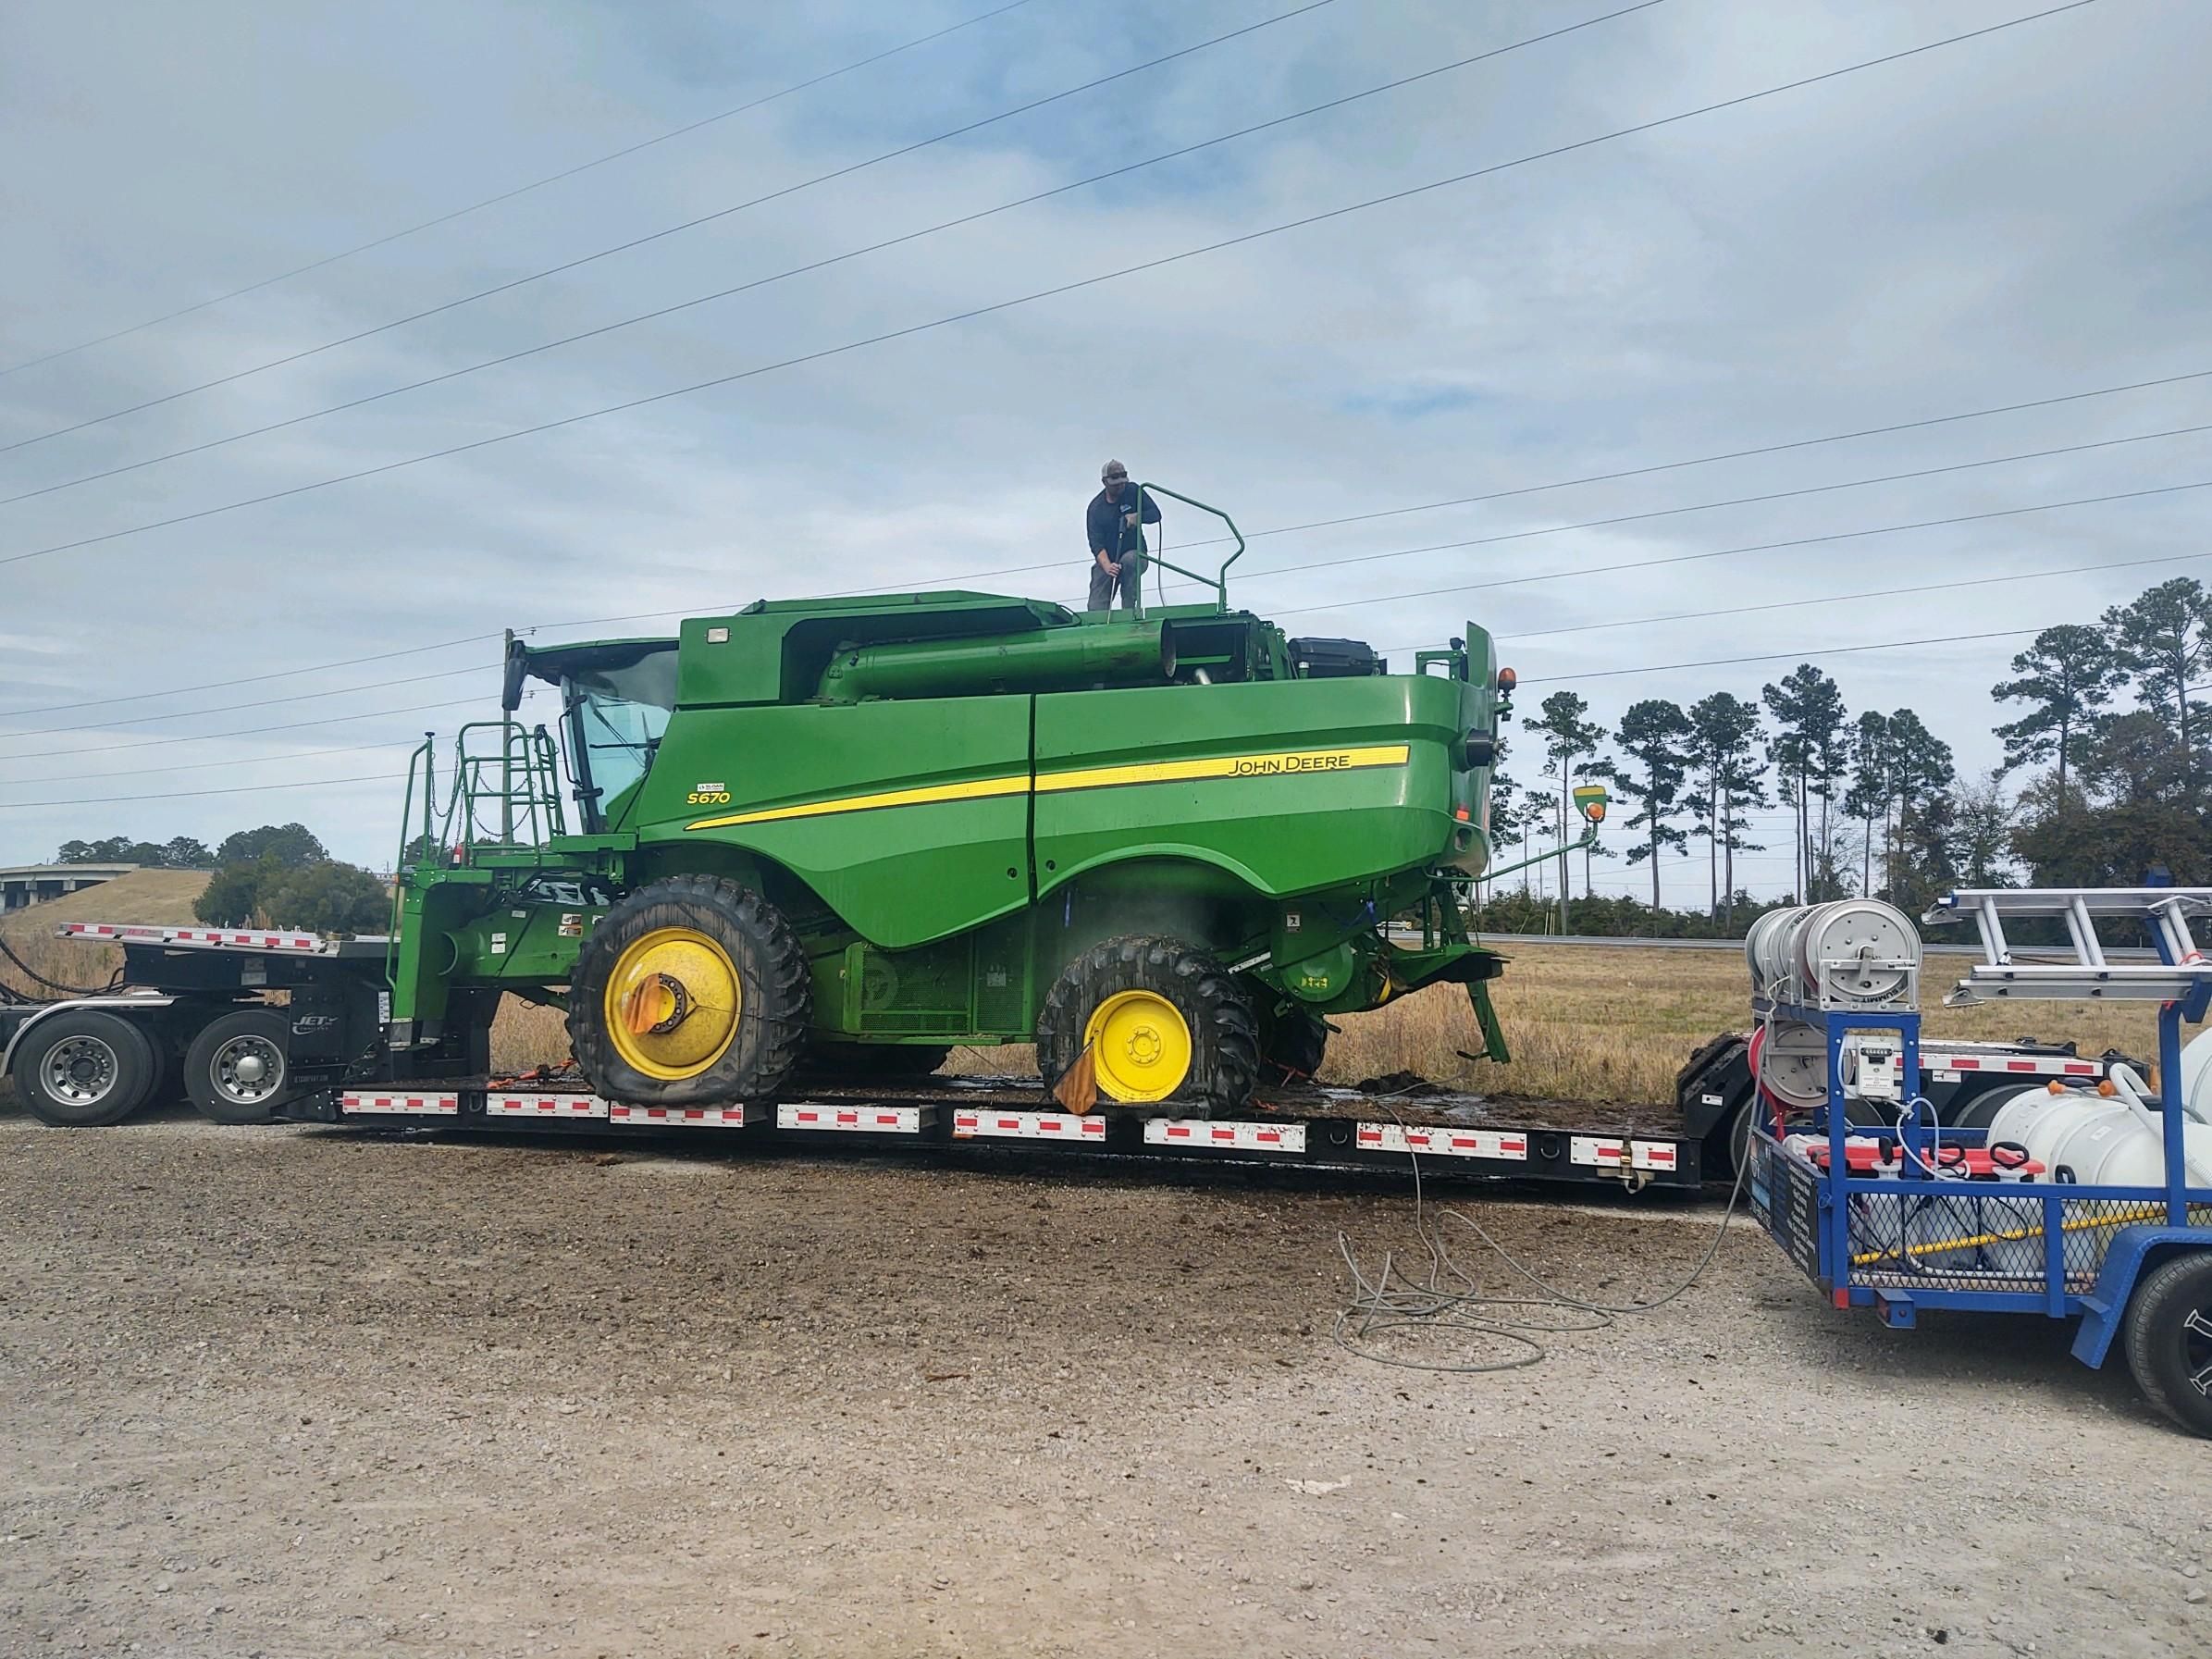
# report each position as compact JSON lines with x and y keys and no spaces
{"x":1140,"y":1044}
{"x":673,"y":1003}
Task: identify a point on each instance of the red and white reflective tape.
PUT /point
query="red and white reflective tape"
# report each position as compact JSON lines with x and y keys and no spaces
{"x":1240,"y":1137}
{"x":864,"y":1120}
{"x":205,"y":938}
{"x":681,"y":1117}
{"x":1604,"y":1153}
{"x":499,"y":1104}
{"x":409,"y":1105}
{"x":1028,"y":1126}
{"x":2038,"y":1065}
{"x":1448,"y":1143}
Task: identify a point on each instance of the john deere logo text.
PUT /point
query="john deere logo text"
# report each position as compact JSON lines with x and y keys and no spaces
{"x":1263,"y":765}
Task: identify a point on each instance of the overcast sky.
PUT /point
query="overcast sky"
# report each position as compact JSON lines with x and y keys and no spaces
{"x":2015,"y":217}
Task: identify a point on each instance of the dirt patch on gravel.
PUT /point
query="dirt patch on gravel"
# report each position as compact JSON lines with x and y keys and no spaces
{"x":303,"y":1391}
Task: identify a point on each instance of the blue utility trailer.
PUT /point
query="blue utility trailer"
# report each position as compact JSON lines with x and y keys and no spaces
{"x":1920,"y":1214}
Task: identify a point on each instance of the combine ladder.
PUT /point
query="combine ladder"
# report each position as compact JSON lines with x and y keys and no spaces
{"x":2164,"y":911}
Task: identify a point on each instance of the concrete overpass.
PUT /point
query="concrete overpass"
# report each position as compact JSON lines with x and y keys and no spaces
{"x":34,"y":884}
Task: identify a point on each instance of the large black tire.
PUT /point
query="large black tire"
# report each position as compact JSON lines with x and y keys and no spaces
{"x":881,"y":1061}
{"x":1224,"y":1036}
{"x":1293,"y":1040}
{"x":771,"y":1020}
{"x":2169,"y":1337}
{"x":238,"y":1069}
{"x":85,"y":1069}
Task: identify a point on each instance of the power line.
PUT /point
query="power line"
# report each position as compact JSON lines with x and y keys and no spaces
{"x":1726,"y":552}
{"x":297,"y":697}
{"x":1800,"y":656}
{"x":253,"y":679}
{"x":1839,"y":599}
{"x":818,"y":264}
{"x":1066,"y":288}
{"x":101,"y":800}
{"x":1741,"y":500}
{"x":690,"y":224}
{"x":252,"y":731}
{"x":2043,"y":402}
{"x":1501,"y":639}
{"x":1767,"y":449}
{"x":305,"y":754}
{"x":509,"y":195}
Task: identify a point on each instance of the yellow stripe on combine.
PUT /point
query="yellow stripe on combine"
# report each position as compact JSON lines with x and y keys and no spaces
{"x":1294,"y":762}
{"x":1274,"y":764}
{"x":980,"y":789}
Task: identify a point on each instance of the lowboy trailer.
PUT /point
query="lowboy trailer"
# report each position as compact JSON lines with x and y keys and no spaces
{"x":192,"y":1014}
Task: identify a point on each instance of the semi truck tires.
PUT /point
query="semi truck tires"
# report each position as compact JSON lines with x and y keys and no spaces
{"x":235,"y":1070}
{"x":83,"y":1068}
{"x":692,"y":991}
{"x":1160,"y":1020}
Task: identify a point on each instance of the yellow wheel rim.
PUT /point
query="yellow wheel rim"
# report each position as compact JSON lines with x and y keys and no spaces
{"x":672,"y":1003}
{"x":1141,"y":1044}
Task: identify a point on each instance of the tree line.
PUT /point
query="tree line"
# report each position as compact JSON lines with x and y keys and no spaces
{"x":277,"y":875}
{"x":2103,"y":781}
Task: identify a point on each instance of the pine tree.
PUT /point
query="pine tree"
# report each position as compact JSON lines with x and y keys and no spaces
{"x":1921,"y":775}
{"x":1657,"y":736}
{"x":1568,"y":738}
{"x":2068,"y":675}
{"x":2162,"y":639}
{"x":1726,"y":731}
{"x":1809,"y":747}
{"x":1873,"y":788}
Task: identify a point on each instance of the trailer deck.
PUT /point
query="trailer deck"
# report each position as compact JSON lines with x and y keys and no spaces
{"x":1502,"y":1137}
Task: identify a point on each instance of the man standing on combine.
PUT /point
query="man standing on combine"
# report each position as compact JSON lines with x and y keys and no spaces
{"x":1117,"y":539}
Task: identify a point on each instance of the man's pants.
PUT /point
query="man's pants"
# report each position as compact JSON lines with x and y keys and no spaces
{"x":1131,"y":582}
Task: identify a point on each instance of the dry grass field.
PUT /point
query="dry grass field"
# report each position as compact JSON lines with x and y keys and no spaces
{"x":1585,"y":1023}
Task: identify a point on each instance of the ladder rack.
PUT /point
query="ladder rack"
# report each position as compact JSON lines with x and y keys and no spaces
{"x":2164,"y":911}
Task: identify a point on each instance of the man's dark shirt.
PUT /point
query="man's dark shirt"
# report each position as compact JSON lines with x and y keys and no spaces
{"x":1104,"y":525}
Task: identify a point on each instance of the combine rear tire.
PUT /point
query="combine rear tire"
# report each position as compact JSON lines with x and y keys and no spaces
{"x":235,"y":1070}
{"x":1161,"y":1019}
{"x":692,"y":991}
{"x":82,"y":1069}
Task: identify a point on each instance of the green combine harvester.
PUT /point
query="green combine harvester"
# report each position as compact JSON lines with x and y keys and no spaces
{"x":837,"y":837}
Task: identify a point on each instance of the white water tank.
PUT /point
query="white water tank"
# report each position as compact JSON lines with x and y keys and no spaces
{"x":2099,"y":1138}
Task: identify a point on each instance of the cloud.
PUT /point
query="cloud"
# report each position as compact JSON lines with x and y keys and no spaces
{"x":2007,"y":219}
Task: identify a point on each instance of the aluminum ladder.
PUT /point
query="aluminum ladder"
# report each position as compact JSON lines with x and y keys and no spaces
{"x":2164,"y":911}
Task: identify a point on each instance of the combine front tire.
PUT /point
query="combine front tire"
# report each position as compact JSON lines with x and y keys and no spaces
{"x":1160,"y":1020}
{"x":236,"y":1069}
{"x":690,"y":992}
{"x":82,"y":1069}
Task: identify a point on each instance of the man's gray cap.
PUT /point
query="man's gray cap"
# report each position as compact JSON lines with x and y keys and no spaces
{"x":1112,"y":469}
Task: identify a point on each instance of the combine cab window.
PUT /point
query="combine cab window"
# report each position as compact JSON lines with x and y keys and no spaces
{"x":615,"y":718}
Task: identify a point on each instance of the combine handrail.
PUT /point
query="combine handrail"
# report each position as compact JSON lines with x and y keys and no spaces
{"x":1218,"y":581}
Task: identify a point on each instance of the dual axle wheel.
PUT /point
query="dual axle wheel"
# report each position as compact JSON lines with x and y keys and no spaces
{"x":86,"y":1067}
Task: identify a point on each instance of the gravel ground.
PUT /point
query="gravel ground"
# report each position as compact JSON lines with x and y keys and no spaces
{"x":308,"y":1392}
